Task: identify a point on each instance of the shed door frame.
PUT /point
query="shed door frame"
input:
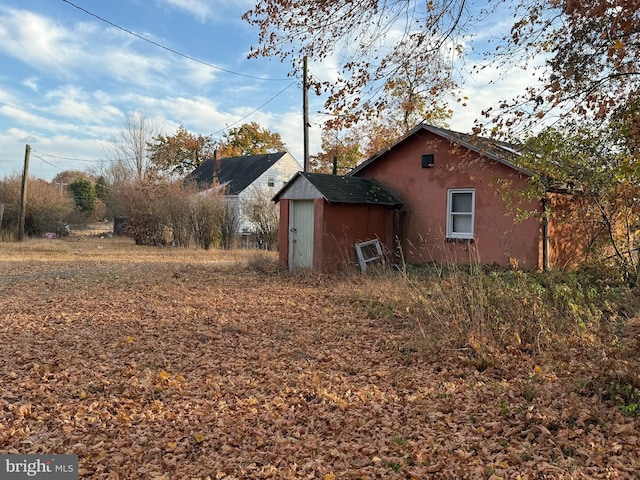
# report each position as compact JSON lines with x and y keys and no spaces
{"x":301,"y":221}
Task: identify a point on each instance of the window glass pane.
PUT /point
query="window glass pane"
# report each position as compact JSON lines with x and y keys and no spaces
{"x":461,"y":223}
{"x":461,"y":202}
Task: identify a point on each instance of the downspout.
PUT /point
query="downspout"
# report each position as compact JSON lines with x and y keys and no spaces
{"x":545,"y":233}
{"x":398,"y":255}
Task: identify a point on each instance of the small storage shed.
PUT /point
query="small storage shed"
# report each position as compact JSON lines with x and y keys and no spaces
{"x":323,"y":216}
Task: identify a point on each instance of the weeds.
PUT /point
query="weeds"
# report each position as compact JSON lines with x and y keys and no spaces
{"x":483,"y":310}
{"x":263,"y":262}
{"x":399,"y":441}
{"x":626,"y":396}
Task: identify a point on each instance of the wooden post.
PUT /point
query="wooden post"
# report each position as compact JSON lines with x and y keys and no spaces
{"x":305,"y":114}
{"x":23,"y":194}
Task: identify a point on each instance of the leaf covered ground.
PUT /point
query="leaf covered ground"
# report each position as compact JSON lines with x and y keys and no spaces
{"x":166,"y":364}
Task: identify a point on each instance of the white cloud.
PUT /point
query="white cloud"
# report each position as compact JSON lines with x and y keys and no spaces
{"x":488,"y":87}
{"x":132,"y":68}
{"x":198,"y":8}
{"x":54,"y":154}
{"x":20,"y":136}
{"x":39,"y":121}
{"x":21,"y":116}
{"x":196,"y":74}
{"x":207,"y":10}
{"x":75,"y":104}
{"x":69,"y":102}
{"x":31,"y":83}
{"x":49,"y":153}
{"x":37,"y":40}
{"x":86,"y":51}
{"x":197,"y":114}
{"x":8,"y":97}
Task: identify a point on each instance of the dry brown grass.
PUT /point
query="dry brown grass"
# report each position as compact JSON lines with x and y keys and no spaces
{"x":121,"y":249}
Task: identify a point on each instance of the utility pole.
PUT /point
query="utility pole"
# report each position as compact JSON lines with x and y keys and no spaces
{"x":61,"y":185}
{"x":305,"y":115}
{"x":23,"y":194}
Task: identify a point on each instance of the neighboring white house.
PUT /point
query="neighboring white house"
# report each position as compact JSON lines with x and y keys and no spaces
{"x":242,"y":177}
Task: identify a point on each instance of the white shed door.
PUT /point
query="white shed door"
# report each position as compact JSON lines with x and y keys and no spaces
{"x":301,"y":234}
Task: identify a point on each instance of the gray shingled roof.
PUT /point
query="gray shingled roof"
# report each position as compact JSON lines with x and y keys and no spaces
{"x":340,"y":189}
{"x":236,"y":173}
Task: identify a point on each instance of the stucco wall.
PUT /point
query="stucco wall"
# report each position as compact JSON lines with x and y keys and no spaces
{"x":424,"y":190}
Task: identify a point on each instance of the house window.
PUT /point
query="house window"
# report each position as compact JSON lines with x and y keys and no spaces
{"x":427,"y":160}
{"x":271,"y":181}
{"x":460,"y":213}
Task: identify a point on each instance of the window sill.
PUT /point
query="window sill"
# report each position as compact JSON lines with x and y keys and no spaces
{"x":459,"y":240}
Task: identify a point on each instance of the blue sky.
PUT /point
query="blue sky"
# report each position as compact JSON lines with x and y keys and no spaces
{"x":68,"y":79}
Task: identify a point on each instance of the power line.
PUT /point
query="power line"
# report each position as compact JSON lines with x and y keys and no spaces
{"x":57,"y":167}
{"x":57,"y":157}
{"x":168,"y":49}
{"x":255,"y":110}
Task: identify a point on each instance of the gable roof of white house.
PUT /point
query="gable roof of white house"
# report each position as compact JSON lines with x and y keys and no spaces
{"x":235,"y":173}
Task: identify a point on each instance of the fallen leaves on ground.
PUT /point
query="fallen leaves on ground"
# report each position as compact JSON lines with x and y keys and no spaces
{"x":152,"y":369}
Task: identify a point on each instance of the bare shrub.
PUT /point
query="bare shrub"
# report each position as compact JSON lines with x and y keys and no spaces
{"x":46,"y":207}
{"x":207,"y":214}
{"x":227,"y":228}
{"x":139,"y":202}
{"x":263,"y":262}
{"x":162,"y":212}
{"x":263,"y":215}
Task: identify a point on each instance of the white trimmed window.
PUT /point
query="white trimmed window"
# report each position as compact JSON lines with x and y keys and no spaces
{"x":460,"y":213}
{"x":271,"y":181}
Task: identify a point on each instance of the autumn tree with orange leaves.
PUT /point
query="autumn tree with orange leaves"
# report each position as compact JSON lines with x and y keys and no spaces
{"x":249,"y":139}
{"x":180,"y":153}
{"x":379,"y":41}
{"x":590,"y":49}
{"x":407,"y":104}
{"x":339,"y":154}
{"x":592,"y":61}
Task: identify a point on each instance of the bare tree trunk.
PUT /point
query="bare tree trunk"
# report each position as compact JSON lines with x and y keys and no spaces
{"x":128,"y":156}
